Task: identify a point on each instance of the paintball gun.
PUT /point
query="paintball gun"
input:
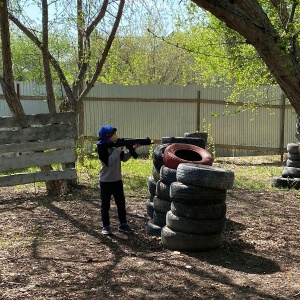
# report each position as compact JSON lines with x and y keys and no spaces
{"x":128,"y":143}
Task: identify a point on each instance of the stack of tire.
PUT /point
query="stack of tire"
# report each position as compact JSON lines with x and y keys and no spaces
{"x":290,"y":177}
{"x":158,"y":192}
{"x":197,"y":219}
{"x":159,"y":182}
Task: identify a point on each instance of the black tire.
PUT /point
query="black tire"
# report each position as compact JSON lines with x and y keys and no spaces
{"x":199,"y":212}
{"x":151,"y":185}
{"x":291,"y":172}
{"x":163,"y":190}
{"x":184,"y":153}
{"x":286,"y":183}
{"x":153,"y":229}
{"x":293,"y":147}
{"x":157,"y":156}
{"x":202,"y":135}
{"x":293,"y":156}
{"x":293,"y":163}
{"x":149,"y":208}
{"x":191,"y":194}
{"x":167,"y":175}
{"x":205,"y":176}
{"x":155,"y":174}
{"x":159,"y":218}
{"x":161,"y":205}
{"x":180,"y":241}
{"x":193,"y":225}
{"x":200,"y":142}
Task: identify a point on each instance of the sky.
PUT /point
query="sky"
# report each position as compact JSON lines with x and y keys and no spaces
{"x":137,"y":12}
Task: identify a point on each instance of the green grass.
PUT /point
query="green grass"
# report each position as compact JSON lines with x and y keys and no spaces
{"x":251,"y":173}
{"x":253,"y":178}
{"x":135,"y":172}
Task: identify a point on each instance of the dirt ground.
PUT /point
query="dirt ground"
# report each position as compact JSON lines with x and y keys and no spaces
{"x":52,"y":248}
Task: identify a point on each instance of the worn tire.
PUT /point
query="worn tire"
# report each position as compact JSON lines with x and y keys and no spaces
{"x":162,"y":190}
{"x":205,"y":176}
{"x":203,"y":135}
{"x":199,"y":212}
{"x":291,"y":172}
{"x":293,"y":163}
{"x":159,"y":218}
{"x":161,"y":205}
{"x":286,"y":183}
{"x":157,"y":156}
{"x":191,"y":194}
{"x":153,"y":229}
{"x":167,"y":175}
{"x":180,"y":241}
{"x":151,"y":185}
{"x":200,"y":142}
{"x":293,"y":156}
{"x":176,"y":154}
{"x":149,"y":208}
{"x":193,"y":225}
{"x":293,"y":147}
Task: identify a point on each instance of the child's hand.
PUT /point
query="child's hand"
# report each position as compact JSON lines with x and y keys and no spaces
{"x":135,"y":146}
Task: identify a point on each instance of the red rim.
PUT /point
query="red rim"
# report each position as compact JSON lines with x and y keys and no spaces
{"x":186,"y":153}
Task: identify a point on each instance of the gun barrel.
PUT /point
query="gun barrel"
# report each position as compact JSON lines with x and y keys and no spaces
{"x":142,"y":142}
{"x":126,"y":142}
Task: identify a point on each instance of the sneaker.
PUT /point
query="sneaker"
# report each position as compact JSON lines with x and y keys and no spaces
{"x":125,"y":228}
{"x":106,"y":230}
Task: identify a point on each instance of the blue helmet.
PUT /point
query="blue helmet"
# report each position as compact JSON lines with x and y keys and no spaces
{"x":106,"y":132}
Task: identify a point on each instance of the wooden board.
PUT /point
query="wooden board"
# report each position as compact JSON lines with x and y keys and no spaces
{"x":42,"y":176}
{"x":37,"y":141}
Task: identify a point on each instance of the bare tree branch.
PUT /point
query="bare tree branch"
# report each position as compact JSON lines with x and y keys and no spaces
{"x":84,"y":35}
{"x":105,"y":52}
{"x":98,"y":19}
{"x":53,"y":61}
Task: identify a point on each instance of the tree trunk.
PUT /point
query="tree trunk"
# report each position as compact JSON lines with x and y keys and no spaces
{"x":46,"y":60}
{"x":7,"y":81}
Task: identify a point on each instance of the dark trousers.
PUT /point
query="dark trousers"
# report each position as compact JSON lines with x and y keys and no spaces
{"x":115,"y":189}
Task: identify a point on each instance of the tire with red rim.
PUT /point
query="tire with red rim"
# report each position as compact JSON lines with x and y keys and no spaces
{"x":176,"y":154}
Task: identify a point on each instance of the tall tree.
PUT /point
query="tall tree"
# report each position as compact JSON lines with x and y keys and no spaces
{"x":46,"y":58}
{"x":88,"y":16}
{"x":271,"y":28}
{"x":7,"y":80}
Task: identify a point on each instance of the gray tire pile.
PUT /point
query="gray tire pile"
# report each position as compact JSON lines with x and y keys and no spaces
{"x":188,"y":201}
{"x":159,"y":202}
{"x":290,"y":177}
{"x":197,"y":218}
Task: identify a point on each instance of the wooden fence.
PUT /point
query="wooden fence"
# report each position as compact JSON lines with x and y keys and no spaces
{"x":37,"y":141}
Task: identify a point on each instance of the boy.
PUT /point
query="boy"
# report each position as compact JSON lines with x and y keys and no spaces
{"x":111,"y":183}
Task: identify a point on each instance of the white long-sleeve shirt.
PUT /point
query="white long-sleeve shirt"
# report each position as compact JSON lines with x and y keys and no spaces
{"x":112,"y":171}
